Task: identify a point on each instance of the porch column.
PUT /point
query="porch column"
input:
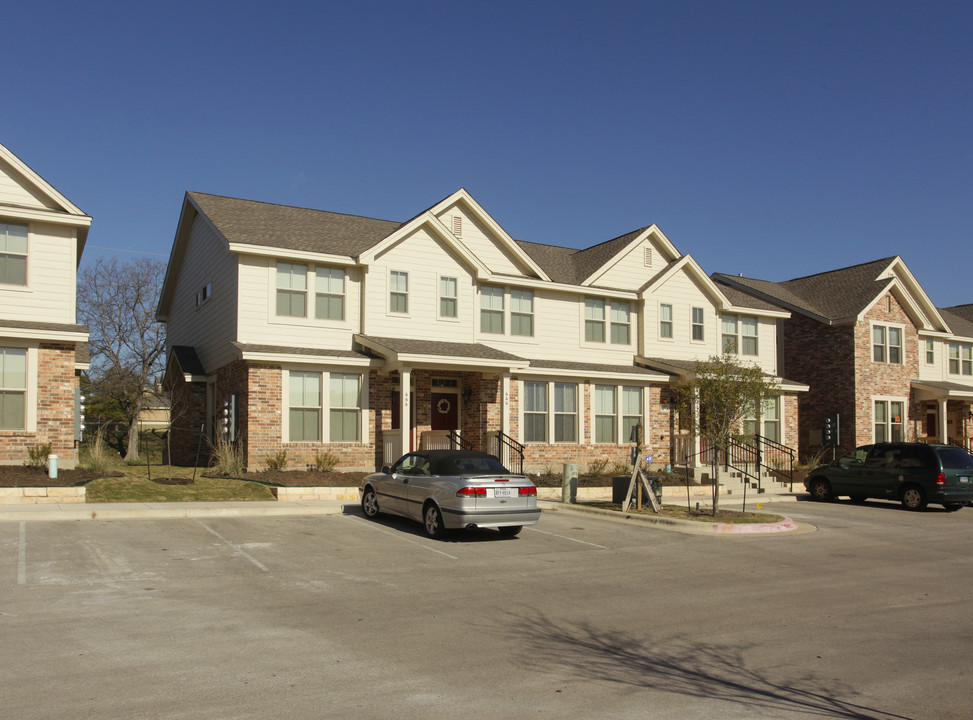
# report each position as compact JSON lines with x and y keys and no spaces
{"x":505,"y":404}
{"x":405,"y":409}
{"x":943,"y":425}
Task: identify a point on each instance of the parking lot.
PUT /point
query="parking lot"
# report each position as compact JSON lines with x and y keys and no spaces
{"x":338,"y":616}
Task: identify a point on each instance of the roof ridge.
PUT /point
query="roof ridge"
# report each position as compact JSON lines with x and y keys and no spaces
{"x":837,"y":270}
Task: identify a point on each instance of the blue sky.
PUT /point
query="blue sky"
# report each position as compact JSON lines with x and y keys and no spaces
{"x":773,"y":139}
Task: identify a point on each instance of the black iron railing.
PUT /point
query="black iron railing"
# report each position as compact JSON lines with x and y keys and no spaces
{"x":508,"y":450}
{"x":458,"y":442}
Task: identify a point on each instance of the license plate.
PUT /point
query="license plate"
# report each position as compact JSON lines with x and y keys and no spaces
{"x":964,"y":479}
{"x":502,"y":492}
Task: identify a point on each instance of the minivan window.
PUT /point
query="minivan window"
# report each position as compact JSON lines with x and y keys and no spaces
{"x":954,"y":458}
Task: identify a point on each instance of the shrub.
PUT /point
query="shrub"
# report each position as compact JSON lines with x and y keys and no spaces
{"x":325,"y":462}
{"x":98,"y":456}
{"x":598,"y":467}
{"x":227,"y":459}
{"x":37,"y":456}
{"x":620,"y":468}
{"x":278,"y":461}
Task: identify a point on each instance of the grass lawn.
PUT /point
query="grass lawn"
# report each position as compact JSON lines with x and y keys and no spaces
{"x":135,"y":486}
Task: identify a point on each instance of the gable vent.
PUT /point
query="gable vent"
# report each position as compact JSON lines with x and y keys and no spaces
{"x":648,"y":257}
{"x":458,"y":225}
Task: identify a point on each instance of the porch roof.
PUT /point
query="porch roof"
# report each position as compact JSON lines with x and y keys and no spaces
{"x":936,"y":389}
{"x":407,"y":351}
{"x":277,"y":353}
{"x":595,"y":369}
{"x":685,"y":368}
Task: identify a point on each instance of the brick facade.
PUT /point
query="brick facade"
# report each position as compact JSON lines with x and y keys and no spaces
{"x":55,"y":403}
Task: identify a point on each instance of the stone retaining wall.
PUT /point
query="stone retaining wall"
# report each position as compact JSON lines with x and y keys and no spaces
{"x":38,"y":495}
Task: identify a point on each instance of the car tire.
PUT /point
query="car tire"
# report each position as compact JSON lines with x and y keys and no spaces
{"x":953,"y":507}
{"x":369,"y":503}
{"x":432,"y":521}
{"x":820,"y":490}
{"x":510,"y":530}
{"x":913,"y":498}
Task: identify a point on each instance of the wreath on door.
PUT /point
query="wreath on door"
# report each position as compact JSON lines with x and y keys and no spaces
{"x":443,"y":406}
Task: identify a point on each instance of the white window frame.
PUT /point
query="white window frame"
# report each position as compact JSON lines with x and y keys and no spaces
{"x":522,"y":310}
{"x":343,"y":408}
{"x":443,"y":282}
{"x":697,"y":324}
{"x":620,"y":321}
{"x":886,"y":347}
{"x":398,"y":290}
{"x":595,"y":318}
{"x":562,"y":413}
{"x":489,"y":294}
{"x":14,"y":384}
{"x":315,"y":407}
{"x":326,"y":406}
{"x":628,"y":418}
{"x":534,"y":391}
{"x":667,"y":329}
{"x":600,"y":412}
{"x":930,"y":353}
{"x":330,"y":283}
{"x":9,"y":249}
{"x":887,"y":423}
{"x":289,"y":289}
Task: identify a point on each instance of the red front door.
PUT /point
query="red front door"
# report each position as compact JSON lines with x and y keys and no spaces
{"x":445,"y":411}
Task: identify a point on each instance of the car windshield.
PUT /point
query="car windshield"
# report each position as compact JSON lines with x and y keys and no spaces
{"x":955,"y":458}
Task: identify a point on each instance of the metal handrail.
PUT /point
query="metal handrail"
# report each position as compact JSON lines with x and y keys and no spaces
{"x":458,"y":442}
{"x":777,"y":456}
{"x":508,"y":444}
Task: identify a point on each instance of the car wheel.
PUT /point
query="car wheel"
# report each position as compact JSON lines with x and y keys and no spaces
{"x":510,"y":530}
{"x":820,"y":489}
{"x":432,"y":521}
{"x":369,"y":502}
{"x":952,"y":507}
{"x":913,"y":498}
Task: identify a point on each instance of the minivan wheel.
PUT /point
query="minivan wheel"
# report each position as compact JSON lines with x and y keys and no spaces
{"x":820,"y":489}
{"x":913,"y":498}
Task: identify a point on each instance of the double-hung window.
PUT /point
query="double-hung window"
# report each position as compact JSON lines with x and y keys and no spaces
{"x":605,"y":416}
{"x":522,"y":313}
{"x":665,"y":322}
{"x":305,"y":407}
{"x":565,"y":412}
{"x":930,"y":352}
{"x":491,"y":310}
{"x":731,"y":343}
{"x":291,"y":290}
{"x":621,"y":315}
{"x":13,"y":254}
{"x":13,"y":388}
{"x":447,"y":297}
{"x":345,"y":413}
{"x":748,"y":327}
{"x":398,"y":292}
{"x":594,"y":320}
{"x":960,"y":359}
{"x":887,"y":344}
{"x":535,"y":412}
{"x":329,"y":293}
{"x":697,"y":323}
{"x":889,"y":420}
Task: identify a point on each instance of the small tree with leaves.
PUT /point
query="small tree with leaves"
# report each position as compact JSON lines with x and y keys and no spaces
{"x":720,"y":394}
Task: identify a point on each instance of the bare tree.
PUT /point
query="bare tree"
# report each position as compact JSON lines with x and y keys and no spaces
{"x":117,"y":301}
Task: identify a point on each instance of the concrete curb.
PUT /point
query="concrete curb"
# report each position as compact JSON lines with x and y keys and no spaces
{"x":785,"y":526}
{"x":128,"y":511}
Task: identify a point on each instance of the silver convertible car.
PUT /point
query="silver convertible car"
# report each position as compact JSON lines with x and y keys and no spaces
{"x":452,"y":489}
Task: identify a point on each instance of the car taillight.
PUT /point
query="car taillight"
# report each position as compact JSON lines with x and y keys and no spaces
{"x":471,"y":492}
{"x":941,"y":479}
{"x":527,"y":491}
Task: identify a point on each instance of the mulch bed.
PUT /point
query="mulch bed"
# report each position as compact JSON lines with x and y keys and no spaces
{"x":23,"y":476}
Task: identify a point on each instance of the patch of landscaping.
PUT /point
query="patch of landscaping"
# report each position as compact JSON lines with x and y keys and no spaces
{"x":23,"y":476}
{"x":681,"y":512}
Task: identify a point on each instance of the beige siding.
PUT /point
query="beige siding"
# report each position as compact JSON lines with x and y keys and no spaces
{"x":425,"y":259}
{"x":481,"y":242}
{"x":51,"y":278}
{"x":260,"y":324}
{"x":17,"y":193}
{"x":629,"y":271}
{"x":210,"y":327}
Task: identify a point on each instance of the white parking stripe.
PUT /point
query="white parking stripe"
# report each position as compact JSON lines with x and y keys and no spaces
{"x":22,"y":556}
{"x":237,"y":548}
{"x":398,"y":535}
{"x":565,"y":537}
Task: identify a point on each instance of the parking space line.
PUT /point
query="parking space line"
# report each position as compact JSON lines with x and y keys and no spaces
{"x":22,"y":556}
{"x":398,"y":535}
{"x":235,"y":547}
{"x":565,"y":537}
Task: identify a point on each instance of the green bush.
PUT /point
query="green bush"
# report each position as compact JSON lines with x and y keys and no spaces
{"x":37,"y":456}
{"x":278,"y":461}
{"x":325,"y":462}
{"x":227,"y":459}
{"x":97,"y":455}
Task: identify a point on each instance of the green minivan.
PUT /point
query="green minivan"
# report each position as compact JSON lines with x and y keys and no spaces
{"x":912,"y":473}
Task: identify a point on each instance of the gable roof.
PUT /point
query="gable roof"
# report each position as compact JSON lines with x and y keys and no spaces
{"x":55,"y":207}
{"x":960,"y":319}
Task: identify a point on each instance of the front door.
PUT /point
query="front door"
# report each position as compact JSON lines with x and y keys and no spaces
{"x":445,"y":411}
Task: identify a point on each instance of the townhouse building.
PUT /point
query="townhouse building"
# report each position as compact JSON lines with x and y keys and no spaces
{"x":42,"y":348}
{"x":309,"y":332}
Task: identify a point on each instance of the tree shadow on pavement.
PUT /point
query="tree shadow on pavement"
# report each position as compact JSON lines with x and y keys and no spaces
{"x":681,"y":666}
